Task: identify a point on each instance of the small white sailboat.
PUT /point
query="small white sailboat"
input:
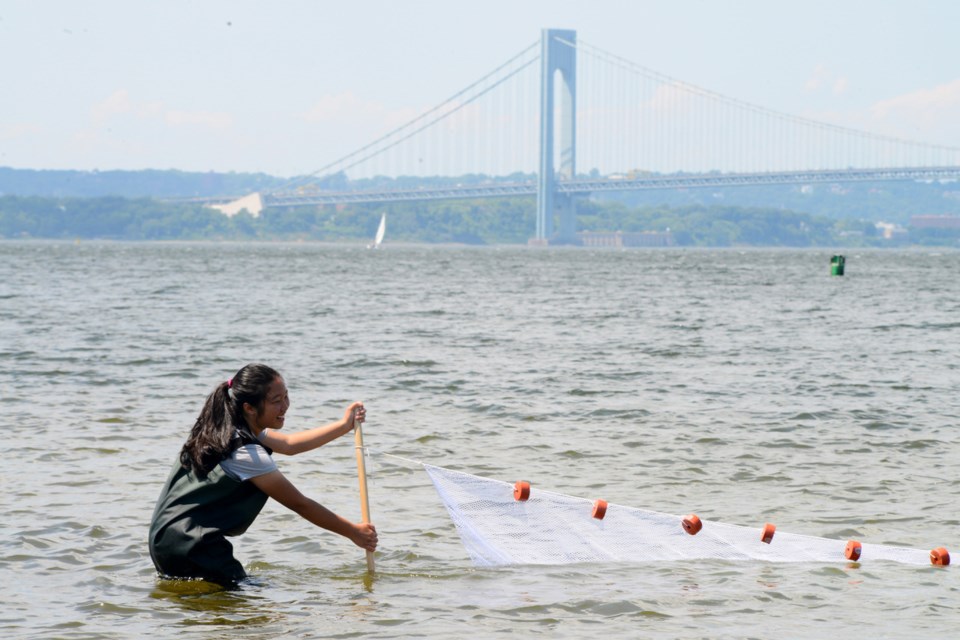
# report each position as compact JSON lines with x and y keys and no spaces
{"x":380,"y":231}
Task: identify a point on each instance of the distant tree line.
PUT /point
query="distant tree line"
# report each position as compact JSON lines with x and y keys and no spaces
{"x":473,"y":222}
{"x":476,"y":222}
{"x":893,"y":202}
{"x":124,"y":205}
{"x":110,"y":218}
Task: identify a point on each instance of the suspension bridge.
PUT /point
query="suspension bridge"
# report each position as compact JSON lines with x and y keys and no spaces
{"x":561,"y":105}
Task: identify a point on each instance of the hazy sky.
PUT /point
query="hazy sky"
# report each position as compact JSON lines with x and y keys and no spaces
{"x":284,"y":87}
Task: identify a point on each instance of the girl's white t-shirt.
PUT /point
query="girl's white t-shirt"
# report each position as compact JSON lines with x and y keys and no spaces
{"x":248,"y":461}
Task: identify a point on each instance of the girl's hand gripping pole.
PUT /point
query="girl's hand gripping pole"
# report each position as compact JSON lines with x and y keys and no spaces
{"x":362,"y":475}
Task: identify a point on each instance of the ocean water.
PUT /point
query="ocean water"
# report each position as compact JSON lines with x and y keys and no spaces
{"x":746,"y":386}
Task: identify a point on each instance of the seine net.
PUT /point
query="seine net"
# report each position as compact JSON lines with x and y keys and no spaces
{"x":552,"y":528}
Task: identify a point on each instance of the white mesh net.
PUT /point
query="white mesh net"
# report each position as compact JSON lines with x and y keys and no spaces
{"x":552,"y":528}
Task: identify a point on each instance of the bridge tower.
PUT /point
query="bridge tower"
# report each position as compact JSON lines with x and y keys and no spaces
{"x":558,"y":70}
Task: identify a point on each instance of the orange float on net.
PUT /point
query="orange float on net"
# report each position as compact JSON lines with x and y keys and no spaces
{"x":767,"y":534}
{"x":599,"y":509}
{"x":521,"y":490}
{"x":939,"y":557}
{"x":853,"y":550}
{"x":691,"y":524}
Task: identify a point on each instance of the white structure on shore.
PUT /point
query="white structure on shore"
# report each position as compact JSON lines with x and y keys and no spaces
{"x":253,"y":203}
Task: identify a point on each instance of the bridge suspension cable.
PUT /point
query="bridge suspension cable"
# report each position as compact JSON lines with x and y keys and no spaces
{"x":429,"y":119}
{"x":636,"y":118}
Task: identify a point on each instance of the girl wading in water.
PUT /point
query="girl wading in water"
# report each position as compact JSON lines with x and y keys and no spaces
{"x":225,"y":474}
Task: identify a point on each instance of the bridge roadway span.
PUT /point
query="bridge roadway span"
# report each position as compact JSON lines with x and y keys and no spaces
{"x":646,"y":182}
{"x":582,"y":186}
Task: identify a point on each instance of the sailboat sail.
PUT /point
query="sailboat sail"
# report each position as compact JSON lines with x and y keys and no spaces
{"x":380,"y":231}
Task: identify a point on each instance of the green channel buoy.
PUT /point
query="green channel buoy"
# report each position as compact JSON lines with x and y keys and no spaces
{"x":836,"y":265}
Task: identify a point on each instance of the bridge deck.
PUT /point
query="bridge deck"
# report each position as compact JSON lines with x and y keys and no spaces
{"x":647,"y":182}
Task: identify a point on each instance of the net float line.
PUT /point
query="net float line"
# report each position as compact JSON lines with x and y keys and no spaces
{"x":501,"y":523}
{"x":497,"y":528}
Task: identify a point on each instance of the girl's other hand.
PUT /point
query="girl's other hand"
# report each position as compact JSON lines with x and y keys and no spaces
{"x":365,"y":536}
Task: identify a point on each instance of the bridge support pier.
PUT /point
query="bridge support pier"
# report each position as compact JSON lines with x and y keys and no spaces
{"x":558,"y":73}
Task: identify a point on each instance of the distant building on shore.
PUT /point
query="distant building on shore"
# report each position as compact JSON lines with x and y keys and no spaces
{"x":935,"y":222}
{"x":619,"y":239}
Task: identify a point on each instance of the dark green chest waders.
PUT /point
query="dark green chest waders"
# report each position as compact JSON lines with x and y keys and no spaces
{"x":192,"y":518}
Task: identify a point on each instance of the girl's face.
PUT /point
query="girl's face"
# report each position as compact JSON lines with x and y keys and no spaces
{"x":273,"y":411}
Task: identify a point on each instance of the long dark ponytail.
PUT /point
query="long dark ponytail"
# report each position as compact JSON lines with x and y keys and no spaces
{"x":222,"y":415}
